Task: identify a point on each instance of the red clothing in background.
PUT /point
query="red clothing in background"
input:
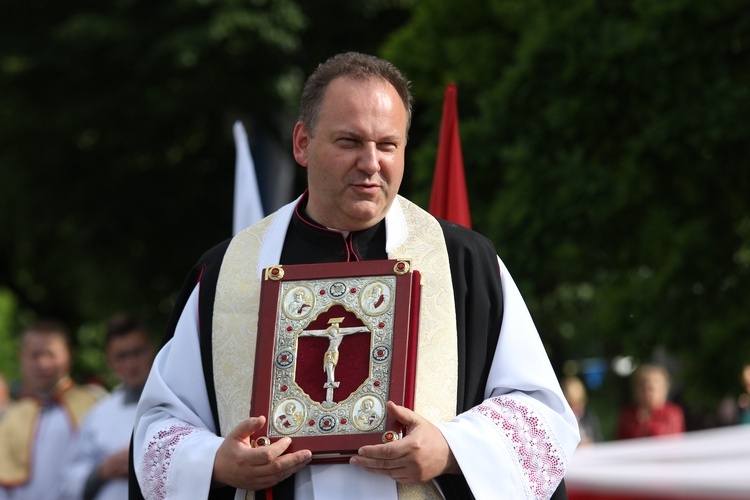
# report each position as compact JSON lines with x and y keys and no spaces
{"x":634,"y":423}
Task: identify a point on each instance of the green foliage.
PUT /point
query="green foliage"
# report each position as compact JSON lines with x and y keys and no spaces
{"x":606,"y":154}
{"x":8,"y":342}
{"x":116,"y":149}
{"x":89,"y":362}
{"x":605,"y":146}
{"x":109,"y":150}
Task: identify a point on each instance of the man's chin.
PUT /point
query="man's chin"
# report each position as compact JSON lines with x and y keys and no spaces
{"x":363,"y":218}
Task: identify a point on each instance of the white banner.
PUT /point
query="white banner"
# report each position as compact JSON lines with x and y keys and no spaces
{"x":709,"y":464}
{"x":248,"y":208}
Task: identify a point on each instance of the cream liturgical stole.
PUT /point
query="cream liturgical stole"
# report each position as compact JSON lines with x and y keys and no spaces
{"x":19,"y":425}
{"x":236,"y":318}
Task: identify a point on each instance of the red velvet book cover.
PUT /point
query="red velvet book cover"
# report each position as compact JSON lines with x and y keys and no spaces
{"x":335,"y":343}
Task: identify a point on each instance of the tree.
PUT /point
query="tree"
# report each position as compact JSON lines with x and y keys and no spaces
{"x":606,"y":156}
{"x":116,"y":153}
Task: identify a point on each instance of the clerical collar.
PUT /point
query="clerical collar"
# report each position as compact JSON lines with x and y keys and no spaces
{"x":307,"y":241}
{"x":300,"y":210}
{"x":132,"y":394}
{"x":52,"y":397}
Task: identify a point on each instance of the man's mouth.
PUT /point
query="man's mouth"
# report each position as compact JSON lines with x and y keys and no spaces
{"x":367,"y":187}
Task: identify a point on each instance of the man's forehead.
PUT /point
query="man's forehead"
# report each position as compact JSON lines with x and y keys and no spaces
{"x":132,"y":337}
{"x":342,"y":86}
{"x":349,"y":81}
{"x":40,"y":337}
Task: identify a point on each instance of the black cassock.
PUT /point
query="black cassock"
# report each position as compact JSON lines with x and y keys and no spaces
{"x":479,"y":310}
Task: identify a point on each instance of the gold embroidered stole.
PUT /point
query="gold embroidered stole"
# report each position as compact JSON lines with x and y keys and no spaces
{"x":236,"y":318}
{"x":18,"y":425}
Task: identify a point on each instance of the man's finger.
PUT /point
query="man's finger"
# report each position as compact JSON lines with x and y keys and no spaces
{"x":377,"y":455}
{"x":297,"y":460}
{"x":403,"y":414}
{"x":246,"y":428}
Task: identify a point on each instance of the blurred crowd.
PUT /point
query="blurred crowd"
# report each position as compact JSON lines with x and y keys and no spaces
{"x":652,"y":410}
{"x":62,"y":440}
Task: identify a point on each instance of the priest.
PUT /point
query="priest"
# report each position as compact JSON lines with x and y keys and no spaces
{"x":489,"y":417}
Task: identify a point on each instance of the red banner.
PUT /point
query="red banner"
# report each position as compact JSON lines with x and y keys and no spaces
{"x":449,"y":199}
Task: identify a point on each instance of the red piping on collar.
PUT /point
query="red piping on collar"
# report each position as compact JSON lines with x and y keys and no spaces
{"x":351,"y":255}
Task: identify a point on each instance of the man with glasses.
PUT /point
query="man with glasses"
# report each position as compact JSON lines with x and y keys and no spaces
{"x":98,"y":468}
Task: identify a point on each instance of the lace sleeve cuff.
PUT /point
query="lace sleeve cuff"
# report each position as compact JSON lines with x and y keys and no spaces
{"x":506,"y":449}
{"x":177,"y":458}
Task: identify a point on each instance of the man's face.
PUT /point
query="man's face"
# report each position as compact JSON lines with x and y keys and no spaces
{"x":746,"y":378}
{"x":652,"y":390}
{"x":130,"y":357}
{"x":45,"y":359}
{"x":355,"y":160}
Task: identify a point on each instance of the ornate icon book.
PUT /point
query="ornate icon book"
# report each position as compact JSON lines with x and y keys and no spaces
{"x":335,"y":342}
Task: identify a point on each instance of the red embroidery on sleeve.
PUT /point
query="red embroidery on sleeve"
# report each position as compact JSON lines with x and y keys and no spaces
{"x":158,"y":457}
{"x":536,"y":453}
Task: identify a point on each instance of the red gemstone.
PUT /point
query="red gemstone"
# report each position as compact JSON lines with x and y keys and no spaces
{"x":400,"y":265}
{"x":322,"y":292}
{"x":380,"y":352}
{"x":353,"y":290}
{"x":274,"y":271}
{"x":283,"y":357}
{"x":289,"y":328}
{"x":376,"y":383}
{"x":343,"y":420}
{"x":284,"y":388}
{"x":381,"y":325}
{"x":311,"y":423}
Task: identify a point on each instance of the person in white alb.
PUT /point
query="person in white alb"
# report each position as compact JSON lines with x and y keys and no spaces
{"x":97,"y":467}
{"x":36,"y":430}
{"x":489,"y":417}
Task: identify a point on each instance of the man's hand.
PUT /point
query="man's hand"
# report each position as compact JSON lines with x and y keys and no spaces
{"x":241,"y":465}
{"x":420,"y":456}
{"x":114,"y":466}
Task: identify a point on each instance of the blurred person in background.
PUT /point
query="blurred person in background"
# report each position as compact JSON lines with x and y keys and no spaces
{"x":37,"y":429}
{"x":736,"y":410}
{"x":588,"y":423}
{"x":651,"y":414}
{"x":98,"y":465}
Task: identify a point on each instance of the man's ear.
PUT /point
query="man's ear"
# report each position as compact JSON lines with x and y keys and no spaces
{"x":300,"y":141}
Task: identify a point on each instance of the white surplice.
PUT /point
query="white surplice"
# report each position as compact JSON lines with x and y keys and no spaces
{"x":105,"y":430}
{"x":53,"y":435}
{"x":508,"y":447}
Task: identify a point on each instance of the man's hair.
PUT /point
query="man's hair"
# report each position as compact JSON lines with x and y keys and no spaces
{"x":574,"y":390}
{"x":48,"y":327}
{"x":356,"y":66}
{"x":121,"y":325}
{"x":647,"y":369}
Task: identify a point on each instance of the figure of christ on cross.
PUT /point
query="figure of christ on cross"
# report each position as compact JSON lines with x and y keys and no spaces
{"x":335,"y":335}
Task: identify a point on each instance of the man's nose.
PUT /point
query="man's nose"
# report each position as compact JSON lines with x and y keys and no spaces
{"x":45,"y":361}
{"x":369,"y":158}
